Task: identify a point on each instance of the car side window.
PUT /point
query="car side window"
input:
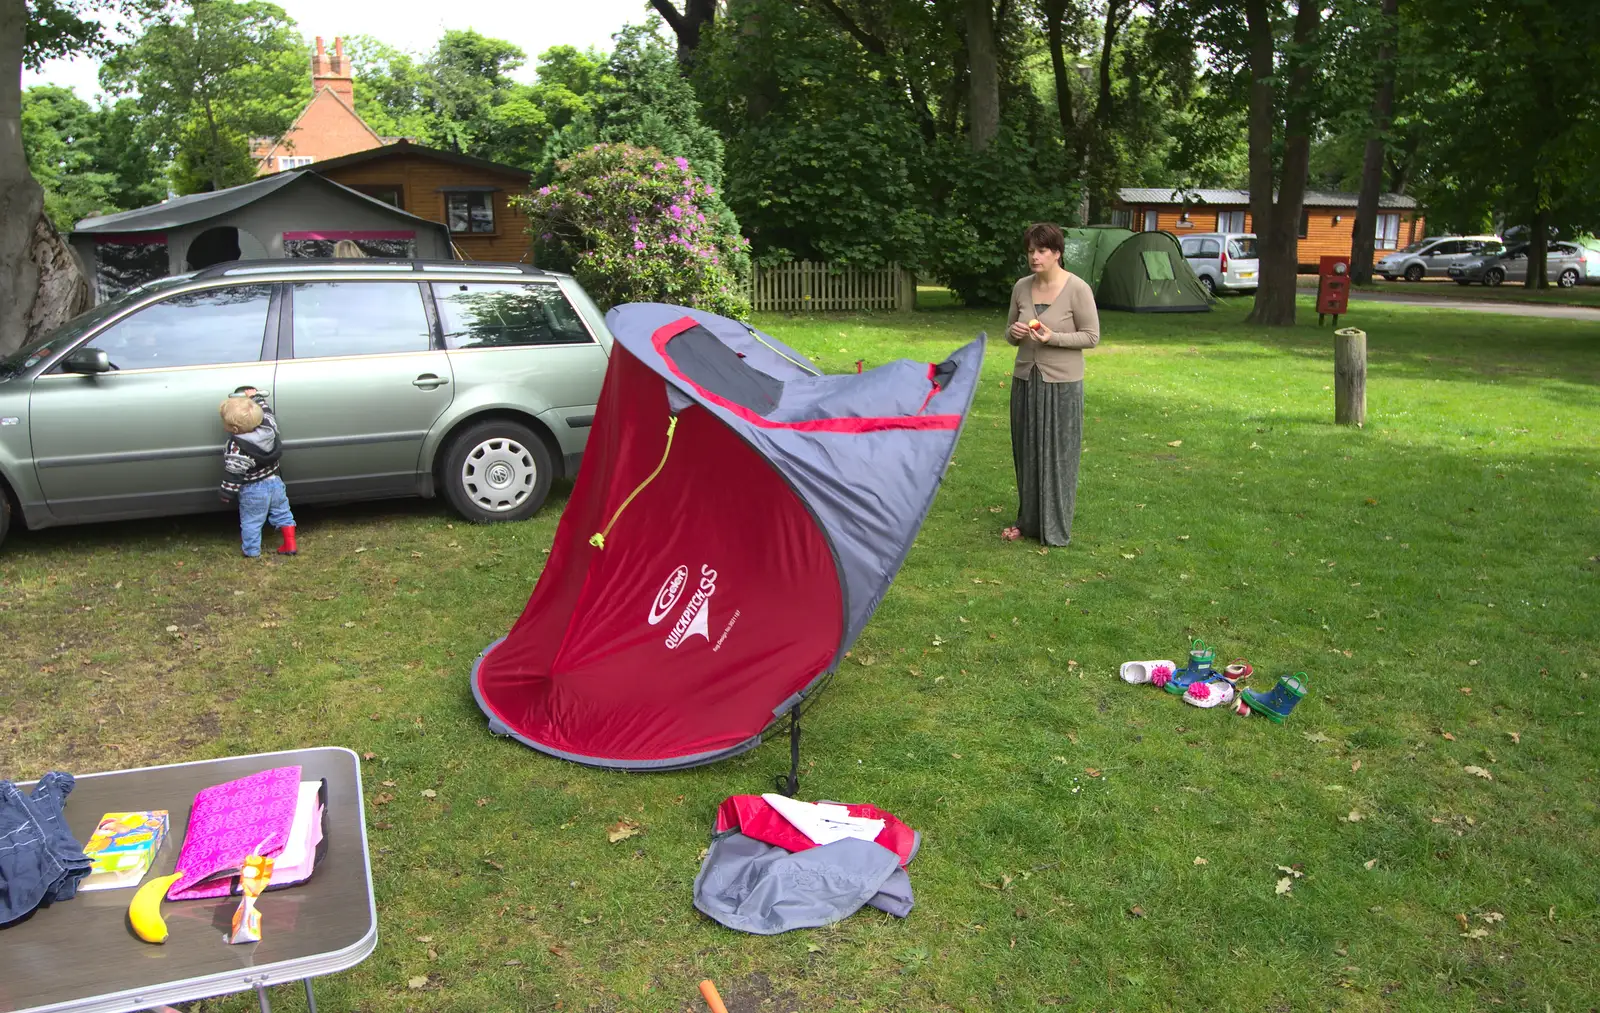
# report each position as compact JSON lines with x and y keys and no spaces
{"x":1191,"y":247}
{"x":1210,"y":248}
{"x":208,"y":328}
{"x":338,"y":318}
{"x":495,"y":316}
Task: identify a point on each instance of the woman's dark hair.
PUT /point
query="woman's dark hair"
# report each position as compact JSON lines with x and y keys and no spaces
{"x":1044,"y":236}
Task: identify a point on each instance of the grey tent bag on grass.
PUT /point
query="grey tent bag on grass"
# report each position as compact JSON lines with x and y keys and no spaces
{"x":761,"y":888}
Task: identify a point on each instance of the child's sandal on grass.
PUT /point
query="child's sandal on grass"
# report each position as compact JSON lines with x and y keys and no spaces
{"x":1211,"y":693}
{"x":1238,"y":671}
{"x":1136,"y":673}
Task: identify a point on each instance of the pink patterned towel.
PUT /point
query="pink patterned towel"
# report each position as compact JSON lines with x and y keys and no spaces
{"x":226,"y":823}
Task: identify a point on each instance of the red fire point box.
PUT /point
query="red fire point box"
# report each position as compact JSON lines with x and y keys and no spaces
{"x":1333,"y":288}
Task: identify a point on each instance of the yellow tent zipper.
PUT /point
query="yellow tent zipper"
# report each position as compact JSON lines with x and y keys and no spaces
{"x":598,"y":539}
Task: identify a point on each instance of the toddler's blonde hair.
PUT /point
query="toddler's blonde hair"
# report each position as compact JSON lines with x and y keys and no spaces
{"x":240,"y":414}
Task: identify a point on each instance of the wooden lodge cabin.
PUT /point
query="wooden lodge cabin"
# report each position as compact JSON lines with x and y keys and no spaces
{"x":1327,"y":225}
{"x":471,"y":196}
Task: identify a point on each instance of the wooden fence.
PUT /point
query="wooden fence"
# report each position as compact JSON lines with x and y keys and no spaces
{"x":804,"y":286}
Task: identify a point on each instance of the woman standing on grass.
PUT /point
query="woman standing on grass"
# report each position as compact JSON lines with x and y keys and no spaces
{"x":1053,"y":319}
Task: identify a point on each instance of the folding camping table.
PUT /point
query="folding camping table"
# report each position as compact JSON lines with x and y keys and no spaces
{"x":81,"y":956}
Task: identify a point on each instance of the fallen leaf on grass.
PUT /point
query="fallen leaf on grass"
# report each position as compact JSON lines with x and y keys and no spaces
{"x":1200,"y":861}
{"x":1175,"y":443}
{"x":1091,"y":771}
{"x":1315,"y":737}
{"x":1354,"y":817}
{"x":388,"y":784}
{"x":382,"y":798}
{"x":1479,"y":772}
{"x":1288,"y":871}
{"x":484,"y":801}
{"x":1475,"y":934}
{"x":369,"y":756}
{"x":172,"y":629}
{"x":1355,"y":766}
{"x":1466,"y":690}
{"x":1516,"y":738}
{"x":493,"y":864}
{"x":362,"y":549}
{"x":512,"y":963}
{"x":421,"y":980}
{"x":429,"y":793}
{"x":1447,"y":736}
{"x":813,"y":948}
{"x":1128,"y":555}
{"x":560,"y":951}
{"x":622,"y":830}
{"x":1370,"y":863}
{"x":1285,"y":884}
{"x":1473,"y":663}
{"x":1492,"y":916}
{"x":1136,"y":911}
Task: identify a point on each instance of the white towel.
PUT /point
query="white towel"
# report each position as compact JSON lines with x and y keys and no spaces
{"x":824,"y":822}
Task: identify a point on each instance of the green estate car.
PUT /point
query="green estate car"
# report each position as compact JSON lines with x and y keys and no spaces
{"x":389,"y":378}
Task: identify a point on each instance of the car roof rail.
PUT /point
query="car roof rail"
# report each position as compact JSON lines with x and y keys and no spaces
{"x":377,"y":265}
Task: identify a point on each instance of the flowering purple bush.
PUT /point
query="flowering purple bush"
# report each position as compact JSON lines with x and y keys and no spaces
{"x":635,"y":226}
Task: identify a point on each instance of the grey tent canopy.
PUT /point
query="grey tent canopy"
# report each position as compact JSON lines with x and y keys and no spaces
{"x":289,"y":214}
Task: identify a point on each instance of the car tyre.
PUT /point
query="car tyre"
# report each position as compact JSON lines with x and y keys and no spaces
{"x":1568,"y":278}
{"x":497,"y":471}
{"x":5,"y":513}
{"x":1211,"y":286}
{"x":1415,"y":272}
{"x":1493,"y":277}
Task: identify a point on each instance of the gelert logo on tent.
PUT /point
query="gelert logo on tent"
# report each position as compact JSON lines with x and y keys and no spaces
{"x":695,"y":618}
{"x":669,"y":594}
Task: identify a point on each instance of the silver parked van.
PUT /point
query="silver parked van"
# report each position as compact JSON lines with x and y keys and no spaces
{"x":1223,"y":261}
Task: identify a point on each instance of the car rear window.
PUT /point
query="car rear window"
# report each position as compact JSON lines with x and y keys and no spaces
{"x":476,"y":315}
{"x":1242,"y":249}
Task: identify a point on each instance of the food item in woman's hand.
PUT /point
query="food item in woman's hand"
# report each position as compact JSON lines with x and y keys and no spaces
{"x":1034,"y":325}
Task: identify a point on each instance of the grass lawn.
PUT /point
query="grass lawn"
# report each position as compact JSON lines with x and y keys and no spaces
{"x":1088,"y":844}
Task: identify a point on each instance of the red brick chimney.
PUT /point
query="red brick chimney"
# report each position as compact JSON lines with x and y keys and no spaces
{"x":333,"y":72}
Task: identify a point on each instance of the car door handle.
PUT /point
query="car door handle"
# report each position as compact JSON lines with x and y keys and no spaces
{"x":428,"y":381}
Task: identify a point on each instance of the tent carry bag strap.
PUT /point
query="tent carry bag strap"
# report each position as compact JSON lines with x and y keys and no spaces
{"x":598,"y":539}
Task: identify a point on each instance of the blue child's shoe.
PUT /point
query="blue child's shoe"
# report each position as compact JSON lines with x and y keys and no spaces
{"x":1198,"y":670}
{"x":1276,"y":704}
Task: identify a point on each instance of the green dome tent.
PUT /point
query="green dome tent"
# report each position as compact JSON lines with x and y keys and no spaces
{"x":1085,"y":251}
{"x":1146,"y":273}
{"x":1140,"y":272}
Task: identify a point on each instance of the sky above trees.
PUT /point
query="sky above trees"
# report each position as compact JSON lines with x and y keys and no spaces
{"x":412,"y":25}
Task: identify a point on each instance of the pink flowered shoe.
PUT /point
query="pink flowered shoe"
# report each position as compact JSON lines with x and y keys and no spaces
{"x":1211,"y":693}
{"x":1137,"y":672}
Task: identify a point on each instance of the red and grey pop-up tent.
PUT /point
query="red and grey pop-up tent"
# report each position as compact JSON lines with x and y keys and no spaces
{"x":737,"y":519}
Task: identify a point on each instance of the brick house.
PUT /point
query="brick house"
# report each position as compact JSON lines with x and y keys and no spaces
{"x":327,"y":127}
{"x":471,"y":196}
{"x":1327,"y":224}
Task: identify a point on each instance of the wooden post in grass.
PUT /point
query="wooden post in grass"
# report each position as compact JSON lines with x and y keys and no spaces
{"x":1350,"y":376}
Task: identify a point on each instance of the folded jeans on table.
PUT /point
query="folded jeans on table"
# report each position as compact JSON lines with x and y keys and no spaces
{"x":40,"y":861}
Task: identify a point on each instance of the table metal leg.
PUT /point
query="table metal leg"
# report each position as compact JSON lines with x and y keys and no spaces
{"x":261,"y":994}
{"x":311,"y":1000}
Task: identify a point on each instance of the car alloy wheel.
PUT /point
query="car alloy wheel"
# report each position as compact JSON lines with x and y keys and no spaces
{"x":1211,"y":286}
{"x":1493,"y":277}
{"x":499,"y":475}
{"x":1414,"y":272}
{"x":1568,"y":278}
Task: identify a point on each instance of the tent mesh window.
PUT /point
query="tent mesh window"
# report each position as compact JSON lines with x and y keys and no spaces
{"x":125,"y":262}
{"x":400,"y":249}
{"x":719,"y":369}
{"x":1158,"y":265}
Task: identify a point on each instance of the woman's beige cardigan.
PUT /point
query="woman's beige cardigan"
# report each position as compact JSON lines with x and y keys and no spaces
{"x":1073,"y":324}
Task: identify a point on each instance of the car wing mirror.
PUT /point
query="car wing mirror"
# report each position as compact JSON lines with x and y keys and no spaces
{"x":87,"y":360}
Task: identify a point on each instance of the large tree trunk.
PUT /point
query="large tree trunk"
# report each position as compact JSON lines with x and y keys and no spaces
{"x":1072,"y":140}
{"x":1099,"y":158}
{"x":686,"y":25}
{"x":983,"y":82}
{"x":1366,"y":229}
{"x":63,"y":290}
{"x":1278,"y":237}
{"x":21,"y":197}
{"x":1539,"y":250}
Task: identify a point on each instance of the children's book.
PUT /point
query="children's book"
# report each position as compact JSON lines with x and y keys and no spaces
{"x":122,"y":848}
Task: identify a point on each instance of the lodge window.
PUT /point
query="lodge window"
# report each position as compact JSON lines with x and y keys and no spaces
{"x":469,"y":210}
{"x":1388,"y":232}
{"x":1230,"y":221}
{"x":1305,"y":222}
{"x":294,"y":161}
{"x":389,"y":193}
{"x":1122,"y":219}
